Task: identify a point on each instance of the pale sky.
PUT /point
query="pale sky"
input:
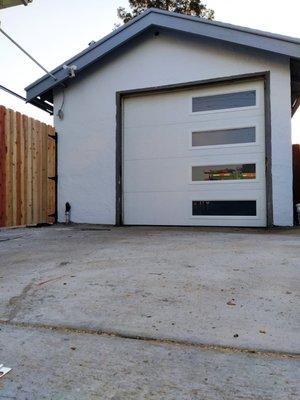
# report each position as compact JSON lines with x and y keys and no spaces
{"x":55,"y":30}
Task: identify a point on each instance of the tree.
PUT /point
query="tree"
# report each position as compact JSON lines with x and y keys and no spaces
{"x":191,"y":7}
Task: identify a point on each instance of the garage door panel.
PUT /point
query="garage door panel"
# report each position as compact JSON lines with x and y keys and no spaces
{"x":159,"y":117}
{"x":142,"y":110}
{"x":176,"y":140}
{"x":180,"y":118}
{"x":172,"y":174}
{"x":159,"y":208}
{"x":185,"y":153}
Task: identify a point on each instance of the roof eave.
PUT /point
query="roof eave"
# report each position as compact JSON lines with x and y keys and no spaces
{"x":190,"y":25}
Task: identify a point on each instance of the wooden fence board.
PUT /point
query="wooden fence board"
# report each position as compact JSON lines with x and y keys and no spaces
{"x":27,"y":159}
{"x":12,"y":165}
{"x":25,"y":168}
{"x":35,"y":198}
{"x":29,"y":214}
{"x":18,"y":169}
{"x":8,"y":170}
{"x":22,"y":174}
{"x":2,"y":167}
{"x":44,"y":173}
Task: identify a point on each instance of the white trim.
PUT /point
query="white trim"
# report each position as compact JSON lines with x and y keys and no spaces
{"x":225,"y":217}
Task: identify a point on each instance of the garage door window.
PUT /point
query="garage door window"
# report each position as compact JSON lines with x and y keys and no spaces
{"x":234,"y":172}
{"x":224,"y":137}
{"x":224,"y":208}
{"x":224,"y":101}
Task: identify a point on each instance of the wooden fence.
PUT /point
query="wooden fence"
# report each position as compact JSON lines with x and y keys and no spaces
{"x":27,"y":170}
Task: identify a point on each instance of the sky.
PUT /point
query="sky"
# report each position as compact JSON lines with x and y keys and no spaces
{"x":55,"y":30}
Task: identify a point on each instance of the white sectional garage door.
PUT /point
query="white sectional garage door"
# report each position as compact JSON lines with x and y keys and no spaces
{"x":195,"y":157}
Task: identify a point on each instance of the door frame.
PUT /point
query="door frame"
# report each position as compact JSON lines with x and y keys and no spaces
{"x":265,"y":76}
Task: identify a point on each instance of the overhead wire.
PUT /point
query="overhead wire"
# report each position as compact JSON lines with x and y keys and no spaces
{"x":60,"y":111}
{"x":27,"y":54}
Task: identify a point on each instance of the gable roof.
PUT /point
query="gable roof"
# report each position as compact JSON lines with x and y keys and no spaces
{"x":278,"y":44}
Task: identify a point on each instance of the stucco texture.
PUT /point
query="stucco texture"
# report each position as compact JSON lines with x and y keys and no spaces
{"x":87,"y":139}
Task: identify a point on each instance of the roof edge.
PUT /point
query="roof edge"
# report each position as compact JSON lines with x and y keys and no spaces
{"x":239,"y":28}
{"x":256,"y":39}
{"x":174,"y":15}
{"x":93,"y":46}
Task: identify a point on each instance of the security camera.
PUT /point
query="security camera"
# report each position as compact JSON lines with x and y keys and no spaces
{"x":71,"y":70}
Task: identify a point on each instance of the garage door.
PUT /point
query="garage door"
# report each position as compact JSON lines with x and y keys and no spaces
{"x":195,"y":157}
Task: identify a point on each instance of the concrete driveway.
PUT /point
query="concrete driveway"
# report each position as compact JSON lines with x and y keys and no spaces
{"x":149,"y":313}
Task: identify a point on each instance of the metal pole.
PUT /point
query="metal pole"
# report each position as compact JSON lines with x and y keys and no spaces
{"x":12,"y":93}
{"x":37,"y":103}
{"x":27,"y":54}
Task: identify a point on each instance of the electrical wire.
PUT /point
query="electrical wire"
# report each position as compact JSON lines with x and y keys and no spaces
{"x":60,"y":112}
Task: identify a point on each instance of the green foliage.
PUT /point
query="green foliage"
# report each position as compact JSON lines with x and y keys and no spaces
{"x":190,"y":7}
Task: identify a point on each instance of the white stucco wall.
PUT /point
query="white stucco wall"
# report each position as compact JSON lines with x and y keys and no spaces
{"x":86,"y":150}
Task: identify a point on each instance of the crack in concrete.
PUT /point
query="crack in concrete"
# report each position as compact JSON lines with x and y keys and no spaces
{"x":151,"y":340}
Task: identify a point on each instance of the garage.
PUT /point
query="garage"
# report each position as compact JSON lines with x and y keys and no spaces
{"x":195,"y":157}
{"x":176,"y":120}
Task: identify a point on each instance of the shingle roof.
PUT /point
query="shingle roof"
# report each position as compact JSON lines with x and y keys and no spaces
{"x":278,"y":44}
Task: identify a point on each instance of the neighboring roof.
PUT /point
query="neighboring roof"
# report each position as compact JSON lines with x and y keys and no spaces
{"x":278,"y":44}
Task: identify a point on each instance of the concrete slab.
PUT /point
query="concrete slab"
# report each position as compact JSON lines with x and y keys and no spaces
{"x":167,"y":283}
{"x":60,"y":365}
